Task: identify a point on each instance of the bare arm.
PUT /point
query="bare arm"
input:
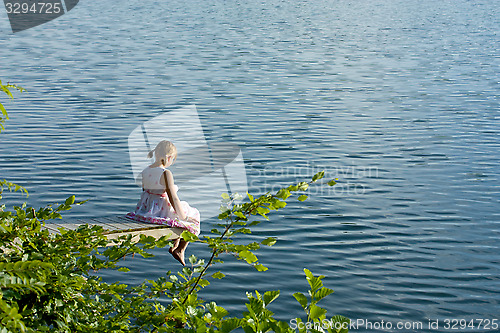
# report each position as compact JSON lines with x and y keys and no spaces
{"x":168,"y":178}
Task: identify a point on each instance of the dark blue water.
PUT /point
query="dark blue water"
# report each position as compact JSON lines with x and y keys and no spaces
{"x":398,"y":99}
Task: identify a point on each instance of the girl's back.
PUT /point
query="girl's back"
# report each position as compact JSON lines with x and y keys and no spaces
{"x":159,"y":203}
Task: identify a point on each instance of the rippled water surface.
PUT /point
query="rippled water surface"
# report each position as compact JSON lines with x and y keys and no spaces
{"x":398,"y":99}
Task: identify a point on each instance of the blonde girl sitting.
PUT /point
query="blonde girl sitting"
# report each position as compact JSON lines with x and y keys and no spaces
{"x":159,"y":203}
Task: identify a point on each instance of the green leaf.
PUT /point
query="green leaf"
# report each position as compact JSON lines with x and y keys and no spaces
{"x":219,"y":312}
{"x":189,"y":237}
{"x":4,"y":112}
{"x":315,"y":312}
{"x":203,"y":283}
{"x":283,"y":194}
{"x":303,"y":186}
{"x":123,"y":269}
{"x":302,"y":197}
{"x":332,"y":182}
{"x":260,"y":268}
{"x":255,"y":305}
{"x":262,"y":210}
{"x":224,"y":215}
{"x":239,"y":223}
{"x":270,"y":296}
{"x":5,"y":88}
{"x":243,"y":230}
{"x":269,"y":241}
{"x":315,"y":284}
{"x":309,"y":275}
{"x":225,"y":196}
{"x":279,"y":204}
{"x":318,"y":176}
{"x":218,"y":275}
{"x":250,"y":197}
{"x":342,"y":322}
{"x":322,"y":293}
{"x":230,"y":324}
{"x":240,"y":215}
{"x":192,"y":259}
{"x":254,"y":223}
{"x":70,"y":200}
{"x":301,"y":298}
{"x":248,"y":256}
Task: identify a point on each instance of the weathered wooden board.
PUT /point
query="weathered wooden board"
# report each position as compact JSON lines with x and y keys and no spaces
{"x":117,"y":226}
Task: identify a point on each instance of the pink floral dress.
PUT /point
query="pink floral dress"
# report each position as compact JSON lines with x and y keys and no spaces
{"x":154,"y":206}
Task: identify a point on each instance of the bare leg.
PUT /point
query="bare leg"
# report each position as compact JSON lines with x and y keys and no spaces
{"x":176,"y":244}
{"x":178,"y":252}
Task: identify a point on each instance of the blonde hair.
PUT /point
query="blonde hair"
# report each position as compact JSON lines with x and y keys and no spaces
{"x":163,"y":150}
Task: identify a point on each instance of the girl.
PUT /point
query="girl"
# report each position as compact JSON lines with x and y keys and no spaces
{"x":159,"y":203}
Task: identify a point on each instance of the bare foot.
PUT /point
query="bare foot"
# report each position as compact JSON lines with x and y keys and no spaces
{"x":177,"y":250}
{"x":174,"y":246}
{"x":179,"y":256}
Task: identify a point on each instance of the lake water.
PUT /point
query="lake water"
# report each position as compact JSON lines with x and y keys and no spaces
{"x":397,"y":99}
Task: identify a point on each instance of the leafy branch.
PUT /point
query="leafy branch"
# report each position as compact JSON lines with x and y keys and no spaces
{"x":46,"y":280}
{"x":6,"y":89}
{"x":237,"y":219}
{"x":4,"y":116}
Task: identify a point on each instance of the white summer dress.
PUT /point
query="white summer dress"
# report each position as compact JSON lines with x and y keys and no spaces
{"x":154,"y":206}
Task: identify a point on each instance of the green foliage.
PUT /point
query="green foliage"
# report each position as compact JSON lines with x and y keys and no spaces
{"x":315,"y":314}
{"x":4,"y":116}
{"x":50,"y":282}
{"x":6,"y":89}
{"x":11,"y":187}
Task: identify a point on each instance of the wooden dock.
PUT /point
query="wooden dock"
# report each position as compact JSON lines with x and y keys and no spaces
{"x":117,"y":226}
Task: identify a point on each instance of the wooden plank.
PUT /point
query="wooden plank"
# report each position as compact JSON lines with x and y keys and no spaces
{"x":117,"y":226}
{"x":70,"y":226}
{"x":107,"y":226}
{"x":127,"y":223}
{"x":171,"y":233}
